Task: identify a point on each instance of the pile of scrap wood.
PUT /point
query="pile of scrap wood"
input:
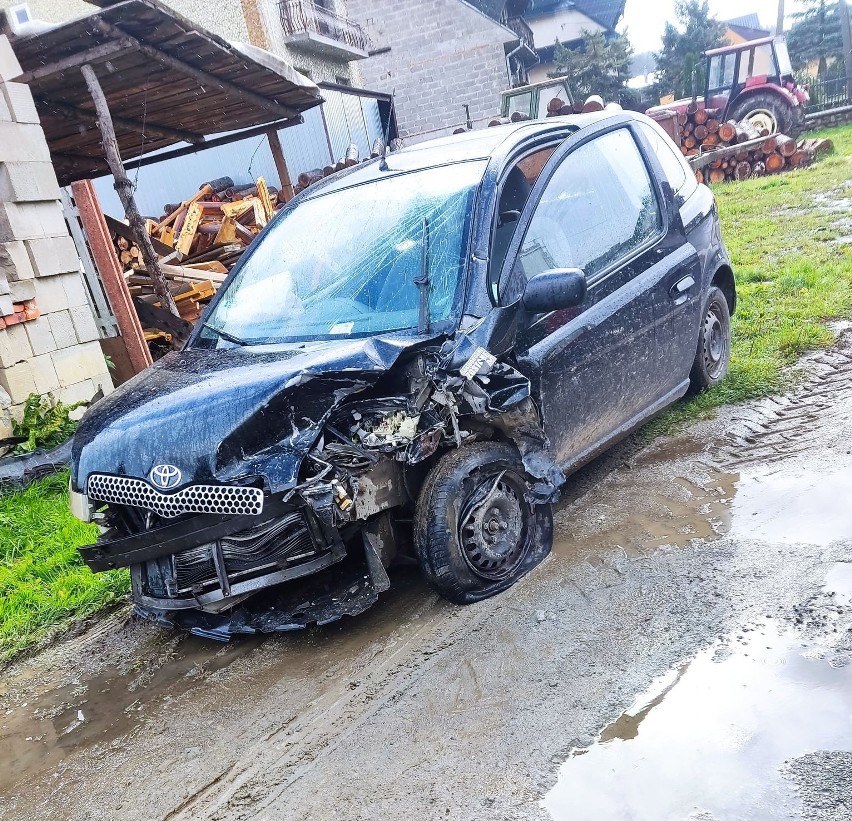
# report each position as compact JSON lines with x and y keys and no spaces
{"x":210,"y":230}
{"x":769,"y":155}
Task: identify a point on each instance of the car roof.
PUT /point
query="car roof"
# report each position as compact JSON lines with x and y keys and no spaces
{"x":471,"y":145}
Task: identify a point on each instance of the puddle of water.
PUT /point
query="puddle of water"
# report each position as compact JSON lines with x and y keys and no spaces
{"x":839,"y":582}
{"x":806,"y":508}
{"x":707,"y":740}
{"x":653,"y":520}
{"x":39,"y":733}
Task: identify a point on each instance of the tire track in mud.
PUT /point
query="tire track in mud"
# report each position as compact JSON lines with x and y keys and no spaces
{"x":243,"y":790}
{"x":792,"y":424}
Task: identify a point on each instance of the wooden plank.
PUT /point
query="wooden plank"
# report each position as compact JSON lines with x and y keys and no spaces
{"x":190,"y":226}
{"x":123,"y":230}
{"x":154,"y":317}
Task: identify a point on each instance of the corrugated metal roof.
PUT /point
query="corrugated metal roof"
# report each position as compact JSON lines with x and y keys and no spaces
{"x":749,"y":21}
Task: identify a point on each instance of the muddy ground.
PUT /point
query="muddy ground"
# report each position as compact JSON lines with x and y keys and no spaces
{"x":684,"y":653}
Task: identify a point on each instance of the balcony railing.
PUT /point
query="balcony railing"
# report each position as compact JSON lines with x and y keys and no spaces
{"x":305,"y":17}
{"x":522,"y":29}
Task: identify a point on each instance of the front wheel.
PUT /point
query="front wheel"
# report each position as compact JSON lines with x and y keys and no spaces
{"x":713,"y":356}
{"x":765,"y":110}
{"x":475,"y":530}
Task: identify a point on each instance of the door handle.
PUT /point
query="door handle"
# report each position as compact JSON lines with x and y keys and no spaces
{"x":679,"y":290}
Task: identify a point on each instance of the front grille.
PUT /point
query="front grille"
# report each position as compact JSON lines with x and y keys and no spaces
{"x":273,"y":544}
{"x":226,"y":500}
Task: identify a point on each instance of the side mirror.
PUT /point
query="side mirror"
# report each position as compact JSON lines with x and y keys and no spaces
{"x":555,"y":290}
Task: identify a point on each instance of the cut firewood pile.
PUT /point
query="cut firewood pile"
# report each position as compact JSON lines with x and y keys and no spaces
{"x":556,"y":107}
{"x":722,"y":151}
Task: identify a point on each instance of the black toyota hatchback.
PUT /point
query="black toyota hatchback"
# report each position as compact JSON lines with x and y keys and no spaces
{"x":408,"y":362}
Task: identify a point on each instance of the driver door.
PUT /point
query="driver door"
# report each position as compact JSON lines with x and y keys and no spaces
{"x":596,"y":368}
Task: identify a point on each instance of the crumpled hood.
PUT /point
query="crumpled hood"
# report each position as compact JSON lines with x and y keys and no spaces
{"x":223,"y":414}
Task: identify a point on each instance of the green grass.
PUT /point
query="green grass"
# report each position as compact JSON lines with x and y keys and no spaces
{"x":791,"y":277}
{"x":43,"y":582}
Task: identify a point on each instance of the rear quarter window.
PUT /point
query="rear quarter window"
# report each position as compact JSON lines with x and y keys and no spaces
{"x":676,"y":169}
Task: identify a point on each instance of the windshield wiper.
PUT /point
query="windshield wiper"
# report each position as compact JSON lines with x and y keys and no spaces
{"x":422,"y":282}
{"x":225,"y":335}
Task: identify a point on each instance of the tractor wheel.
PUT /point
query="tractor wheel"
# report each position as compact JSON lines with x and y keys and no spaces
{"x":765,"y":110}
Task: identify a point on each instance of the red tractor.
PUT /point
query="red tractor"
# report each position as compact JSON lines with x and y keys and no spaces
{"x":751,"y":81}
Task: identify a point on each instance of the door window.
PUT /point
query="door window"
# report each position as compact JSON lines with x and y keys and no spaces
{"x":721,"y":72}
{"x":598,"y":208}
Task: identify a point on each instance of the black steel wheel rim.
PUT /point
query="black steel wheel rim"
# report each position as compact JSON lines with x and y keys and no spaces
{"x":715,"y":347}
{"x":494,"y":527}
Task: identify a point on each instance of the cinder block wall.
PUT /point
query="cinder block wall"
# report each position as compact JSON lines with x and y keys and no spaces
{"x":437,"y":55}
{"x":48,"y":337}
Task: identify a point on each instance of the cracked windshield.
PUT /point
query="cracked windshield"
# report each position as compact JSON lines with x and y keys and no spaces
{"x":346,"y":263}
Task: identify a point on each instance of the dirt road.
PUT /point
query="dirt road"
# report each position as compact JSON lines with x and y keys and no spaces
{"x":684,"y":653}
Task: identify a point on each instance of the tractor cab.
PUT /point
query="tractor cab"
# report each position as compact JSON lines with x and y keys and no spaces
{"x":537,"y":100}
{"x":759,"y":71}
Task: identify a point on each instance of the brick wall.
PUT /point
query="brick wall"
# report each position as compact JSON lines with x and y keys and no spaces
{"x":48,"y":337}
{"x":437,"y":55}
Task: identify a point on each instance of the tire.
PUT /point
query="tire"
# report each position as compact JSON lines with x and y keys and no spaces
{"x":713,"y":356}
{"x":759,"y":107}
{"x":475,"y":532}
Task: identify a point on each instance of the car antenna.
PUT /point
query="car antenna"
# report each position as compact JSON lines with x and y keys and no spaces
{"x":383,"y":165}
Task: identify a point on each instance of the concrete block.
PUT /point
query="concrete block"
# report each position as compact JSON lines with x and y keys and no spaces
{"x":28,"y":181}
{"x":31,"y":220}
{"x":50,"y":293}
{"x":6,"y":307}
{"x":5,"y":114}
{"x":75,"y":290}
{"x":19,"y":98}
{"x":44,"y":374}
{"x":104,"y":383}
{"x":18,"y":381}
{"x":9,"y":65}
{"x":50,"y":256}
{"x":5,"y":290}
{"x":5,"y":416}
{"x":40,"y":335}
{"x":14,"y":345}
{"x":15,"y":262}
{"x":81,"y":362}
{"x":23,"y":290}
{"x":79,"y":392}
{"x":23,"y":142}
{"x":62,"y":329}
{"x":84,"y":323}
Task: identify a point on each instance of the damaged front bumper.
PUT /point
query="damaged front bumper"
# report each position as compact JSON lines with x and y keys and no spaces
{"x":196,"y":571}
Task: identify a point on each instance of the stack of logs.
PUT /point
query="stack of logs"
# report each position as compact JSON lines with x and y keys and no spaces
{"x":349,"y":159}
{"x":557,"y":107}
{"x":702,"y":131}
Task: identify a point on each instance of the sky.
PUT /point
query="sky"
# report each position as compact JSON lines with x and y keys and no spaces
{"x":646,"y":19}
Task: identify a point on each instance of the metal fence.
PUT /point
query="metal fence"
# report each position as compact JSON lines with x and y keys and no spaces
{"x":827,"y":91}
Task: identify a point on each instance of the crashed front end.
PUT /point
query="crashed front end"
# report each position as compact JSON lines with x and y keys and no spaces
{"x":305,"y":526}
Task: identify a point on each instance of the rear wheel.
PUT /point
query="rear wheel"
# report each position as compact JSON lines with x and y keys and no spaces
{"x":714,"y":343}
{"x":765,"y":110}
{"x":475,"y":530}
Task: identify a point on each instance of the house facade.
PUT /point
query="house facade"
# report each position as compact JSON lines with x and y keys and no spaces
{"x":446,"y":61}
{"x":564,"y":21}
{"x":743,"y":29}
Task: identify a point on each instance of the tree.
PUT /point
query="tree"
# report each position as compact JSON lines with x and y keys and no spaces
{"x":816,"y":36}
{"x":684,"y":47}
{"x":597,"y":66}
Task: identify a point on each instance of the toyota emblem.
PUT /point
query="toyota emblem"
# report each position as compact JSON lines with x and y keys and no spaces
{"x":164,"y":477}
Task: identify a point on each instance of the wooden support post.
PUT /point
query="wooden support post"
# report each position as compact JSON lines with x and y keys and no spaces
{"x":280,"y":164}
{"x":112,"y":277}
{"x":124,"y":188}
